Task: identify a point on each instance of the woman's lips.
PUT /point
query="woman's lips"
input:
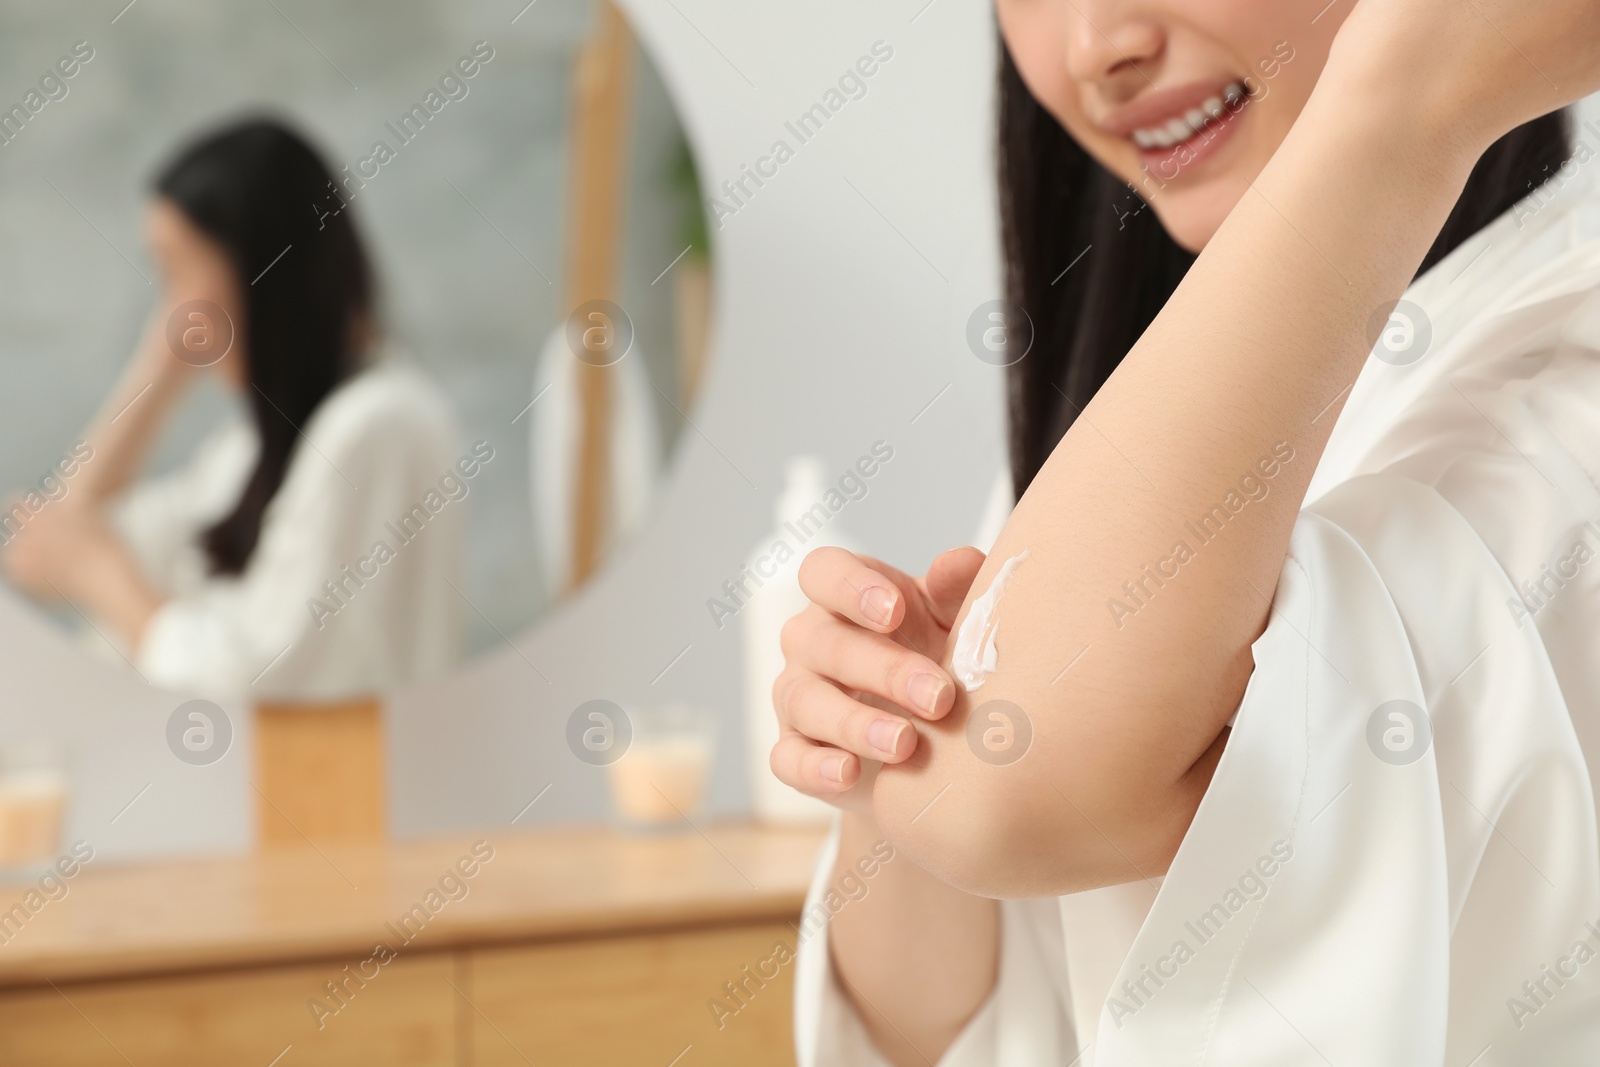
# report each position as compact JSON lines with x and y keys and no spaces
{"x":1169,"y":164}
{"x":1184,"y":123}
{"x":1176,"y":129}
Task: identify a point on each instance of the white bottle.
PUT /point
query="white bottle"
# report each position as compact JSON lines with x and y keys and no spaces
{"x":771,"y":604}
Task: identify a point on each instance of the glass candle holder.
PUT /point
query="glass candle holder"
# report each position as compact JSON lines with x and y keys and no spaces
{"x":660,"y":782}
{"x":33,"y":803}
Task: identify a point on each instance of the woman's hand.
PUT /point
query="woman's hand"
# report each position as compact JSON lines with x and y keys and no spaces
{"x":860,"y":657}
{"x":1467,"y":70}
{"x":68,"y":551}
{"x":42,"y":556}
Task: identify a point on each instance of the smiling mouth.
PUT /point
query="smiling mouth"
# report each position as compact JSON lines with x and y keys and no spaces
{"x":1186,"y":126}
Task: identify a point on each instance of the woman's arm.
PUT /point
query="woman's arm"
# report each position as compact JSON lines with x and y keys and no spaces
{"x":1242,"y":373}
{"x":69,"y":550}
{"x":915,"y":956}
{"x":131,"y":417}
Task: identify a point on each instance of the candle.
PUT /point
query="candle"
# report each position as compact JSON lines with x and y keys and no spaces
{"x":32,"y":804}
{"x":661,"y":780}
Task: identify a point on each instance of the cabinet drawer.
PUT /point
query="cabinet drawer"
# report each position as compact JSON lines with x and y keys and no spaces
{"x":643,"y":999}
{"x":404,"y":1016}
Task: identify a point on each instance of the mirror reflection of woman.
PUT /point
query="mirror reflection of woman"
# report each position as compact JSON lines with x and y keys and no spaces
{"x":207,"y":578}
{"x":1313,"y":785}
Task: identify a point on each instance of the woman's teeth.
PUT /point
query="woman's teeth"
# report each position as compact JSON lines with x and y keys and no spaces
{"x":1180,"y":128}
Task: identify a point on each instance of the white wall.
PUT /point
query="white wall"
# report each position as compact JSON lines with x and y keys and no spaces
{"x":131,"y":795}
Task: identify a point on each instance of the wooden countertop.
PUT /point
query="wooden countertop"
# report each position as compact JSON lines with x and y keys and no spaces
{"x":332,"y":900}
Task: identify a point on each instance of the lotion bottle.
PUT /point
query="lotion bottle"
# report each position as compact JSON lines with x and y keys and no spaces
{"x":771,"y":604}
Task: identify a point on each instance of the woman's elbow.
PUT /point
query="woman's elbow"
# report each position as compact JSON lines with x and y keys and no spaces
{"x":1017,"y":831}
{"x":961,"y":832}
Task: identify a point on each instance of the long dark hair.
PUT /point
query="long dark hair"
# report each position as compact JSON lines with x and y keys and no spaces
{"x":262,"y":192}
{"x":1056,"y":201}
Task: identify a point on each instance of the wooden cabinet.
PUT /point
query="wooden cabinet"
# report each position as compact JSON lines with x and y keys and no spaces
{"x":571,"y":948}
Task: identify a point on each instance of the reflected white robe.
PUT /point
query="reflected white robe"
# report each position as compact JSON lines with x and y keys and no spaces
{"x":1419,"y":897}
{"x":373,"y":450}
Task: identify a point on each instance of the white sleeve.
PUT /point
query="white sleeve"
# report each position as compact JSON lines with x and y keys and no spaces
{"x":1026,"y":1020}
{"x":373,"y":456}
{"x":220,"y":637}
{"x":1404,"y":786}
{"x":161,"y":519}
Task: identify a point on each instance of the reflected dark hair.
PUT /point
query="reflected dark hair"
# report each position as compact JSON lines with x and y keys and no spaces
{"x":1056,"y":201}
{"x":259,"y":190}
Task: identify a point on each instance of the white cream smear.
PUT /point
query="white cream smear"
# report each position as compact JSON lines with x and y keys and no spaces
{"x":975,"y":654}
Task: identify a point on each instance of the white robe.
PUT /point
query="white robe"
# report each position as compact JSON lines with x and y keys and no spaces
{"x":372,"y":451}
{"x":1419,"y":896}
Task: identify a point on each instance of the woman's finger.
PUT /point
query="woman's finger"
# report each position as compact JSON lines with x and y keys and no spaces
{"x":949,"y":577}
{"x":816,"y":769}
{"x":838,"y":580}
{"x":824,"y":644}
{"x":823,"y":712}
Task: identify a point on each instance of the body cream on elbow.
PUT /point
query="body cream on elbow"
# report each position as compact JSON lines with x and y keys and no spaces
{"x":975,"y":654}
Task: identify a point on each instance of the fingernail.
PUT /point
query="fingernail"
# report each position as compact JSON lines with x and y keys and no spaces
{"x":833,"y":768}
{"x":877,"y":604}
{"x":884,"y":734}
{"x":925,"y":690}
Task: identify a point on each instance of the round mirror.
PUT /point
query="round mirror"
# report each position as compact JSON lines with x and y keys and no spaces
{"x":341,"y":342}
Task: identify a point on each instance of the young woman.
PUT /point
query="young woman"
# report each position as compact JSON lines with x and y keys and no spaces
{"x":253,"y":570}
{"x":1263,"y":733}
